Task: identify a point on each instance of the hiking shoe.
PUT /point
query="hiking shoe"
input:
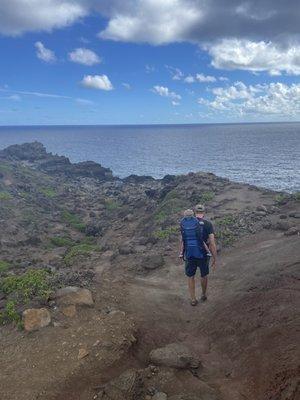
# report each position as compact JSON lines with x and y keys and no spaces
{"x":203,"y":298}
{"x":194,"y":302}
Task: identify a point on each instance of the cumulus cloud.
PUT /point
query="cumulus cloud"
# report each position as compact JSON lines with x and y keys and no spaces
{"x":200,"y":78}
{"x":100,"y":82}
{"x":44,"y":54}
{"x":19,"y":16}
{"x":166,"y":92}
{"x":84,"y":56}
{"x":269,"y":99}
{"x":255,"y":56}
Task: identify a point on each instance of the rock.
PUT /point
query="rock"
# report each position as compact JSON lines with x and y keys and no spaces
{"x":36,"y":318}
{"x":69,"y":311}
{"x":73,"y":295}
{"x":160,"y":396}
{"x":93,"y":230}
{"x":82,"y":353}
{"x":261,"y":213}
{"x":153,"y":261}
{"x":125,"y":249}
{"x":262,"y":208}
{"x":292,"y":231}
{"x":282,"y":225}
{"x":283,"y":216}
{"x":295,"y":214}
{"x":26,"y":151}
{"x":175,"y":355}
{"x":127,"y":386}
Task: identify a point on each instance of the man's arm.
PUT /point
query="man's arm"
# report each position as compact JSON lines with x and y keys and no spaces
{"x":213,"y":248}
{"x":181,"y":253}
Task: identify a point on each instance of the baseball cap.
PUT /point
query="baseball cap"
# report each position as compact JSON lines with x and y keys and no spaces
{"x":199,"y":208}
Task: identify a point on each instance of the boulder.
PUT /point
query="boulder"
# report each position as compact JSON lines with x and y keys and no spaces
{"x":36,"y":318}
{"x":127,"y":386}
{"x":175,"y":355}
{"x":262,"y":208}
{"x":93,"y":229}
{"x":153,"y":261}
{"x":295,"y":214}
{"x":292,"y":231}
{"x":73,"y":295}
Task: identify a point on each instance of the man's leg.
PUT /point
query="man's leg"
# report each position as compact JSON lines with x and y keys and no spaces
{"x":191,"y":281}
{"x":204,"y":281}
{"x":204,"y":269}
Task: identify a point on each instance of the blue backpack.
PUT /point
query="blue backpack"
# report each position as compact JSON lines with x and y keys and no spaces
{"x":192,"y":237}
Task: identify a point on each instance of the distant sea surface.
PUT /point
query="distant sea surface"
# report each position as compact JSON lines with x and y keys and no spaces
{"x":265,"y":155}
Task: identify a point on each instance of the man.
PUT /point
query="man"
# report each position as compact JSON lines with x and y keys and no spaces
{"x":198,"y":237}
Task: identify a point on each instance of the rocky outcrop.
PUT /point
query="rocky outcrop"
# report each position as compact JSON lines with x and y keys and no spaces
{"x":175,"y":355}
{"x":72,"y":295}
{"x":36,"y":318}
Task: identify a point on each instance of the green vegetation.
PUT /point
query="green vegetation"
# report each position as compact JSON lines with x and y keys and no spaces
{"x":4,"y":266}
{"x":225,"y":236}
{"x":280,"y":198}
{"x":10,"y":314}
{"x":33,"y":283}
{"x":170,"y":205}
{"x":206,"y":197}
{"x":5,"y":167}
{"x":79,"y":250}
{"x":227,"y":220}
{"x":296,"y":196}
{"x":111,"y":204}
{"x":48,"y":192}
{"x":61,"y":241}
{"x":166,"y":233}
{"x":5,"y":196}
{"x":73,"y":220}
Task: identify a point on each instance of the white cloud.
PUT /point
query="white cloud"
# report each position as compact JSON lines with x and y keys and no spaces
{"x":176,"y":73}
{"x":150,"y":21}
{"x":166,"y":92}
{"x":126,"y":85}
{"x":43,"y":53}
{"x":19,"y":16}
{"x":255,"y":56}
{"x":100,"y":82}
{"x":200,"y":78}
{"x":84,"y":56}
{"x":84,"y":102}
{"x":189,"y":79}
{"x":239,"y":99}
{"x":149,"y":68}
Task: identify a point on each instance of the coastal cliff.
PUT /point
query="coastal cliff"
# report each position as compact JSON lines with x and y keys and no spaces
{"x":91,"y":286}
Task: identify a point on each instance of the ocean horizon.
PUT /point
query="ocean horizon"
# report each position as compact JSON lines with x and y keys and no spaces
{"x":264,"y":154}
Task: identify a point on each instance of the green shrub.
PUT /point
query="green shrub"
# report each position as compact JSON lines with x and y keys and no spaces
{"x":225,"y":236}
{"x":33,"y":283}
{"x":10,"y":314}
{"x":61,"y":241}
{"x":4,"y":266}
{"x":296,"y":196}
{"x":111,"y":204}
{"x":227,"y":220}
{"x":280,"y":198}
{"x":166,"y":233}
{"x":206,"y":197}
{"x":5,"y":196}
{"x":5,"y":168}
{"x":73,"y":220}
{"x":48,"y":192}
{"x":79,"y":250}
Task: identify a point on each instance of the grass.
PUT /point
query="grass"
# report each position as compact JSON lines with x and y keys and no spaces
{"x":227,"y":220}
{"x":296,"y":196}
{"x":73,"y":220}
{"x":225,"y":237}
{"x":5,"y":196}
{"x":10,"y":314}
{"x":166,"y":233}
{"x":4,"y":266}
{"x":169,"y":206}
{"x":61,"y":241}
{"x":33,"y":283}
{"x":48,"y":192}
{"x":82,"y":249}
{"x":5,"y":168}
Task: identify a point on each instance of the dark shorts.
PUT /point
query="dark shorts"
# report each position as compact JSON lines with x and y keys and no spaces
{"x":192,"y":264}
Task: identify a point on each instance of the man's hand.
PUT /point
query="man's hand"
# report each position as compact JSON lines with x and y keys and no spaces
{"x":180,"y":255}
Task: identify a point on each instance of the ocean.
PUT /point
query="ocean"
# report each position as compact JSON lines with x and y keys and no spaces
{"x":266,"y":155}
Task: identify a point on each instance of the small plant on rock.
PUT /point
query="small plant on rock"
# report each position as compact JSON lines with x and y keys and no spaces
{"x":73,"y":220}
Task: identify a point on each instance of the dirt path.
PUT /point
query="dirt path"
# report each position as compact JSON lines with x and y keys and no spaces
{"x":244,"y":335}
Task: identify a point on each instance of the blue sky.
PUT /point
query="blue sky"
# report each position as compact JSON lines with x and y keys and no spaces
{"x":141,"y":62}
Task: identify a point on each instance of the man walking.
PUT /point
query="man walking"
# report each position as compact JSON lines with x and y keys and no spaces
{"x":198,"y":241}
